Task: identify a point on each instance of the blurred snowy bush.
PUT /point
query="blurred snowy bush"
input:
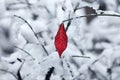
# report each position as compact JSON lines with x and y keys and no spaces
{"x":27,"y":50}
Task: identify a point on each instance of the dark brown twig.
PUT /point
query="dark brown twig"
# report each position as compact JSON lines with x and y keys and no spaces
{"x":49,"y":73}
{"x":114,"y":15}
{"x":25,"y":52}
{"x":9,"y":73}
{"x":33,"y":32}
{"x":18,"y":73}
{"x":80,"y":56}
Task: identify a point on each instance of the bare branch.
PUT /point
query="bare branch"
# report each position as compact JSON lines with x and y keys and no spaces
{"x":9,"y":73}
{"x":18,"y":73}
{"x":49,"y":73}
{"x":33,"y":32}
{"x":80,"y":56}
{"x":25,"y":52}
{"x":114,"y":15}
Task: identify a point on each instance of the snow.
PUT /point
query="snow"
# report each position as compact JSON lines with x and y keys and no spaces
{"x":92,"y":53}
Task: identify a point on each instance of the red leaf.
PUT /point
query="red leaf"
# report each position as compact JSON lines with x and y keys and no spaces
{"x":61,"y":40}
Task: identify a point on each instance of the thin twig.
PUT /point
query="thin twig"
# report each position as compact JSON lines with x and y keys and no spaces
{"x":68,"y":65}
{"x":49,"y":73}
{"x":17,"y":8}
{"x":28,"y":4}
{"x":76,"y":7}
{"x":34,"y":16}
{"x":69,"y":23}
{"x":25,"y":52}
{"x":115,"y":15}
{"x":81,"y":51}
{"x":12,"y":4}
{"x":45,"y":49}
{"x":9,"y":73}
{"x":18,"y":73}
{"x":109,"y":71}
{"x":28,"y":25}
{"x":80,"y":56}
{"x":33,"y":32}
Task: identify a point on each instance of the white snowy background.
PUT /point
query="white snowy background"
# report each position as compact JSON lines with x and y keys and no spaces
{"x":29,"y":54}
